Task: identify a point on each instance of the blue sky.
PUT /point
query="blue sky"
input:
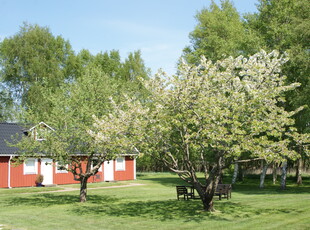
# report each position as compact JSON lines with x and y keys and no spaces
{"x":159,"y":28}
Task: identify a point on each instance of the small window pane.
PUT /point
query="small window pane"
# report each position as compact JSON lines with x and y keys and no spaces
{"x":30,"y":166}
{"x":120,"y":164}
{"x":61,"y":167}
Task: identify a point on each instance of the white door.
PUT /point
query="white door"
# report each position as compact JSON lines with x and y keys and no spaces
{"x":47,"y":170}
{"x":108,"y":170}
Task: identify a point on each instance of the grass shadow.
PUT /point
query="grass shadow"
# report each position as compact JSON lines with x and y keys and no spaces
{"x":182,"y":211}
{"x":51,"y":199}
{"x":162,"y":210}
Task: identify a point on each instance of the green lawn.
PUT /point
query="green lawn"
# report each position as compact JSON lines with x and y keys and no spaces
{"x":153,"y":205}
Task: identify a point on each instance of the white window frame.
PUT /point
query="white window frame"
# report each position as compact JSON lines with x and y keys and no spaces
{"x":120,"y":166}
{"x":58,"y":164}
{"x":26,"y":168}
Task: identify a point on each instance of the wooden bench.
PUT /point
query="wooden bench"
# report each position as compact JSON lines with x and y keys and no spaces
{"x":223,"y":190}
{"x":183,"y":192}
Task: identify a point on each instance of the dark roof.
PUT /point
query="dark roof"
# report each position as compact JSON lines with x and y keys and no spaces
{"x":8,"y":132}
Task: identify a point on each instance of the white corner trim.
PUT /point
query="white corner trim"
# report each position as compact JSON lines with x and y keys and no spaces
{"x":134,"y":169}
{"x":41,"y":123}
{"x":9,"y":172}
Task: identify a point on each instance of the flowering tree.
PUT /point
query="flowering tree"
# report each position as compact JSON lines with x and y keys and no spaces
{"x":211,"y":114}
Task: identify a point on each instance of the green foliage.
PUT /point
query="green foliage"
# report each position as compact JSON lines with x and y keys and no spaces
{"x":283,"y":25}
{"x":222,"y":109}
{"x":6,"y":105}
{"x":72,"y":108}
{"x":33,"y":61}
{"x":220,"y":32}
{"x":127,"y":73}
{"x":208,"y":115}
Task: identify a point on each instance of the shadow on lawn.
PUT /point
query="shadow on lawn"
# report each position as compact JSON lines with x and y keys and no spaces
{"x":162,"y":210}
{"x":184,"y":211}
{"x":50,"y":199}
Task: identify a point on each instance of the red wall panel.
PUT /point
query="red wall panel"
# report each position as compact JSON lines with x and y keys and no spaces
{"x":128,"y":174}
{"x":4,"y":172}
{"x":18,"y":179}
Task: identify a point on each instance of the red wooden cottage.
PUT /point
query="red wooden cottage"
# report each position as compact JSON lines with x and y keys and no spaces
{"x":24,"y":175}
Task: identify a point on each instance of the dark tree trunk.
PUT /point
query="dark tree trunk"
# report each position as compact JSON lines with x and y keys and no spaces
{"x":206,"y":193}
{"x":206,"y":196}
{"x":83,"y":189}
{"x":208,"y":203}
{"x":299,"y":172}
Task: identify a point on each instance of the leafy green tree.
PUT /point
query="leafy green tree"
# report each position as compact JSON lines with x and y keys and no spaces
{"x":220,"y":32}
{"x":283,"y":25}
{"x":73,"y":106}
{"x":71,"y":115}
{"x":128,"y":73}
{"x":32,"y":61}
{"x":210,"y":115}
{"x":6,"y":105}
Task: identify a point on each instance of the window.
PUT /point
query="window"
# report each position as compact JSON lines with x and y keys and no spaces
{"x":94,"y":163}
{"x":120,"y":164}
{"x":40,"y":133}
{"x":31,"y":166}
{"x":61,"y":167}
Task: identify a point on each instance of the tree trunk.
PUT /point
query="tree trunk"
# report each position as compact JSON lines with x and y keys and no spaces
{"x":206,"y":195}
{"x":283,"y":176}
{"x":263,"y":174}
{"x":234,"y":179}
{"x":240,"y":173}
{"x":208,"y":203}
{"x":83,"y":189}
{"x":274,"y":173}
{"x":299,"y":171}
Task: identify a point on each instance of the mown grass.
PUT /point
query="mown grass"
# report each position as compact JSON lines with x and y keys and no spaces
{"x":153,"y":205}
{"x":27,"y":190}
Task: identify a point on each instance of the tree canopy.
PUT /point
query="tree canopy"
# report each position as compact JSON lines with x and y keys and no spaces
{"x":71,"y":116}
{"x":213,"y":113}
{"x":283,"y":25}
{"x":220,"y":32}
{"x":32,"y":61}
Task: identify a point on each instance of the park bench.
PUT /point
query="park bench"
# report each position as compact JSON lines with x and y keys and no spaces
{"x":223,"y":190}
{"x":183,"y":192}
